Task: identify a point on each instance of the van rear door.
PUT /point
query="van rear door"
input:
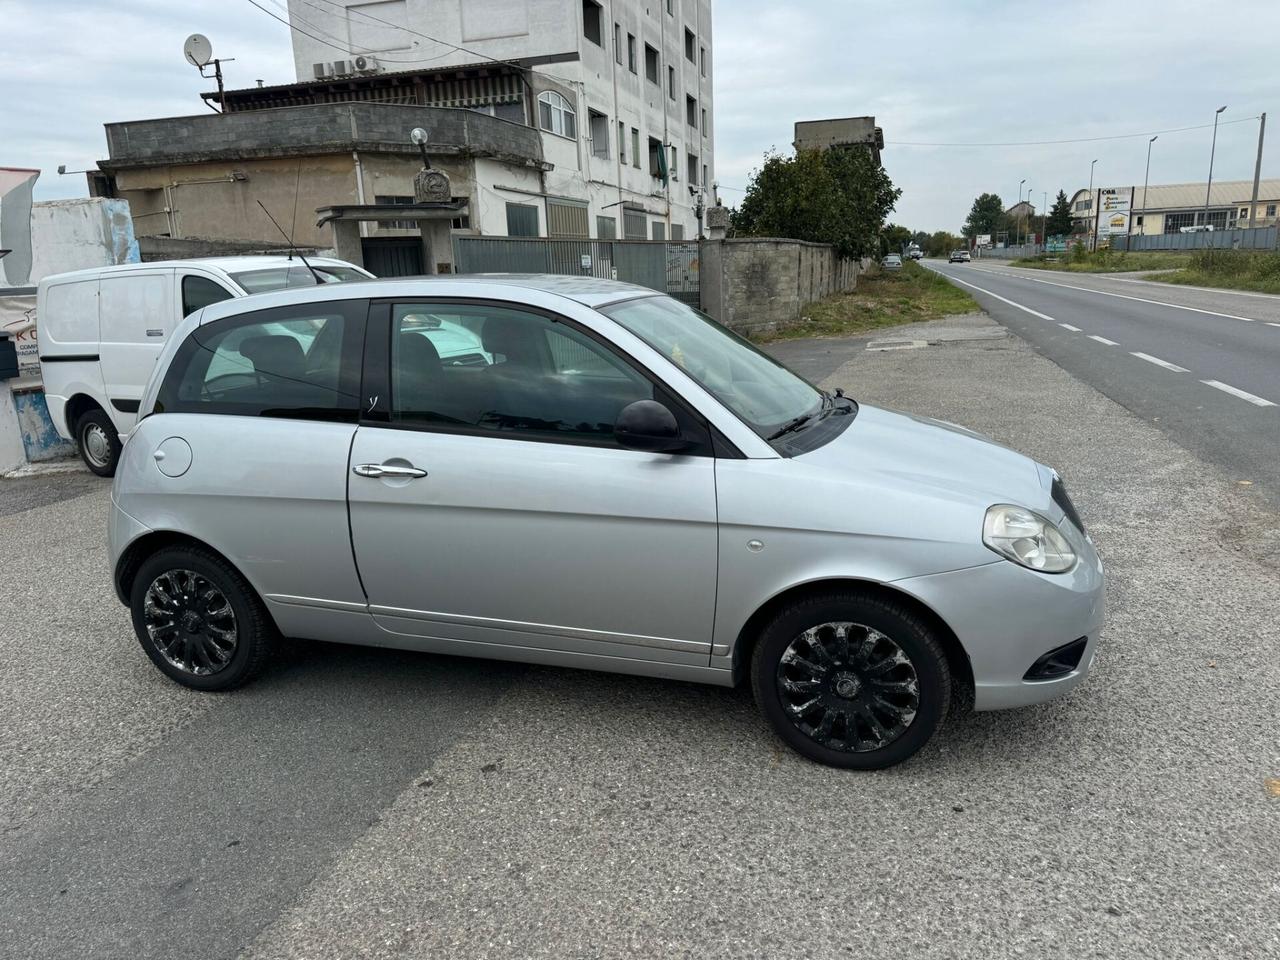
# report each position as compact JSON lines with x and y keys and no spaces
{"x":137,"y":314}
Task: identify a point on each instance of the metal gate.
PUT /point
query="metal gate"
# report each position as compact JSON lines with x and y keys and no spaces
{"x":393,"y":256}
{"x":671,"y":267}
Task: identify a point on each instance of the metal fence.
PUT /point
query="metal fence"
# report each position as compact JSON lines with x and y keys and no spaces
{"x":669,"y":266}
{"x":1009,"y":253}
{"x":1259,"y":238}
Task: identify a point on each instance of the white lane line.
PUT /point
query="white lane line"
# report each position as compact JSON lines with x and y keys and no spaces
{"x":1034,"y":313}
{"x":1236,"y":392}
{"x":1270,"y":324}
{"x":1109,"y":343}
{"x":1159,"y":363}
{"x":1067,"y":326}
{"x":1123,"y":296}
{"x":1183,"y":286}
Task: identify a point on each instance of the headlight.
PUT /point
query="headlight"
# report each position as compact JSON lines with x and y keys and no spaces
{"x":1027,"y":538}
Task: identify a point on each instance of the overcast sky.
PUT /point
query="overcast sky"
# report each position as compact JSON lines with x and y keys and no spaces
{"x":930,"y":72}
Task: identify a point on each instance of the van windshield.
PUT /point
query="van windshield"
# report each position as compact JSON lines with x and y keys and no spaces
{"x":281,"y":278}
{"x":763,"y":393}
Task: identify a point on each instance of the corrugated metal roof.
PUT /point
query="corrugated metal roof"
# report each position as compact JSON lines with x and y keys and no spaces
{"x":1190,"y":196}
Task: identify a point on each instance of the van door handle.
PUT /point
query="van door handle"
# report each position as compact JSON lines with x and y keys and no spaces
{"x":375,"y":470}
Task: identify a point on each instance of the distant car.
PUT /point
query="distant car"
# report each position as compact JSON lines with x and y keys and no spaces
{"x":915,"y":253}
{"x":960,"y":256}
{"x":1198,"y":228}
{"x":892,"y":262}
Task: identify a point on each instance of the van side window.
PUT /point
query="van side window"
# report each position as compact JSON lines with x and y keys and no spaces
{"x":298,"y":362}
{"x":199,"y":292}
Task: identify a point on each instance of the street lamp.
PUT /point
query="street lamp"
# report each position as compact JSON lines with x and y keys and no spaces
{"x":1044,"y":223}
{"x":1093,"y":233}
{"x":1208,"y":186}
{"x":1020,"y":183}
{"x":1145,"y":180}
{"x":1023,"y":221}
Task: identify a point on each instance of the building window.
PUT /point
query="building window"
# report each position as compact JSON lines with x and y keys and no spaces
{"x":703,"y":128}
{"x":635,"y":148}
{"x":651,"y":63}
{"x":606,"y":228}
{"x":617,"y":42}
{"x":704,"y":176}
{"x":673,"y":165}
{"x":1139,"y":221}
{"x":599,"y":126}
{"x":702,"y":60}
{"x":567,"y":219}
{"x":1271,"y":209}
{"x":693,"y":169}
{"x":591,"y":22}
{"x":670,"y":11}
{"x":1244,"y":213}
{"x":690,"y":45}
{"x":657,"y":159}
{"x":659,"y":230}
{"x":677,"y":231}
{"x":671,"y":82}
{"x":622,"y":142}
{"x":522,"y":220}
{"x":394,"y":201}
{"x":631,"y":52}
{"x":633,"y":224}
{"x":691,"y":111}
{"x":556,"y":116}
{"x":1084,"y":204}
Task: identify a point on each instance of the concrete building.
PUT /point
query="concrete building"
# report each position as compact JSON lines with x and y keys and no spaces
{"x":1167,"y":208}
{"x":848,"y":131}
{"x":552,"y":118}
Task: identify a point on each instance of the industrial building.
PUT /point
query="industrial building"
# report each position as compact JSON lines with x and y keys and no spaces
{"x":1168,"y":208}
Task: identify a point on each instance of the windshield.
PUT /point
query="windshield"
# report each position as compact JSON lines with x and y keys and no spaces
{"x":763,"y":393}
{"x":280,"y":278}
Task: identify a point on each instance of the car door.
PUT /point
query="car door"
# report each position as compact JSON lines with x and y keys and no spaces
{"x":493,"y":513}
{"x":137,"y":315}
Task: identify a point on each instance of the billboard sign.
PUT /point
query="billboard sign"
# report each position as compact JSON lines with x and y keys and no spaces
{"x":1113,"y":212}
{"x":983,"y":239}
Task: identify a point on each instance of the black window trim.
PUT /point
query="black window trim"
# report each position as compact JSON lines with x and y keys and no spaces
{"x":376,"y":382}
{"x":355,"y":312}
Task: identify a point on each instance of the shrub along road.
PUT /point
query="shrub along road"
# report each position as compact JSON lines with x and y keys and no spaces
{"x":363,"y":803}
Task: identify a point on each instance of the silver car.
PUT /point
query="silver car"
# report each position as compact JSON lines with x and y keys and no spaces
{"x":612,"y":481}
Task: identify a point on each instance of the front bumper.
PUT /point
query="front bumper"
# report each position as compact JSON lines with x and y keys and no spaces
{"x":1007,"y":617}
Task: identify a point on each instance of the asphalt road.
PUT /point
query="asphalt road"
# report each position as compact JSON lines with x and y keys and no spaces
{"x":360,"y":803}
{"x":1202,"y":365}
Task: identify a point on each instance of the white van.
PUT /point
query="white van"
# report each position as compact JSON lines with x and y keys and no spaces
{"x":100,"y":331}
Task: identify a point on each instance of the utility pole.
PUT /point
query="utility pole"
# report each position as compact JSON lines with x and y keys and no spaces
{"x":1146,"y":180}
{"x":1257,"y":172}
{"x":1212,"y":149}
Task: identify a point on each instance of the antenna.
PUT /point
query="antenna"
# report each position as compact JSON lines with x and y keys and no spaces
{"x":199,"y":53}
{"x":294,"y":246}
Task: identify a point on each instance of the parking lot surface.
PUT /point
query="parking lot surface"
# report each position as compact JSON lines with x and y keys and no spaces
{"x":364,"y":803}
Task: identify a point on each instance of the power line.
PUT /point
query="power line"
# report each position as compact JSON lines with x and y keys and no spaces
{"x":320,"y":40}
{"x":1042,"y":143}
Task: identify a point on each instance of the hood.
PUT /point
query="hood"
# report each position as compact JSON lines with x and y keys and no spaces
{"x":907,"y":453}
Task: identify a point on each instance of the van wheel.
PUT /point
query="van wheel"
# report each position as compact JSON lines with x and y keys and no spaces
{"x":198,"y":620}
{"x":851,"y":679}
{"x":98,"y":442}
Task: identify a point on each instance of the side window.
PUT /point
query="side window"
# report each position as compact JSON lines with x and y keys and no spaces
{"x":479,"y":367}
{"x":199,"y":292}
{"x":299,"y":362}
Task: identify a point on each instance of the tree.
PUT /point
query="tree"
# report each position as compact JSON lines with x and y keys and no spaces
{"x":1060,"y":222}
{"x":838,"y":196}
{"x":985,"y":216}
{"x":896,"y":238}
{"x":941,"y":244}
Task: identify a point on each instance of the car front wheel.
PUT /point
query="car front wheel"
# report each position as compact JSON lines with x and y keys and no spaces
{"x":98,"y":442}
{"x":198,"y":620}
{"x":851,"y":679}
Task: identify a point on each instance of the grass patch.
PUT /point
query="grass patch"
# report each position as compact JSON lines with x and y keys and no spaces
{"x":1231,"y":269}
{"x":1109,"y":261}
{"x":881,"y":300}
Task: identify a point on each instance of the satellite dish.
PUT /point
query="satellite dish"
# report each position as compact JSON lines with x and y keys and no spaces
{"x":198,"y":50}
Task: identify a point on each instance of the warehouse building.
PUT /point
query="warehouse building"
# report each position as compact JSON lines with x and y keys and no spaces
{"x":1170,"y":208}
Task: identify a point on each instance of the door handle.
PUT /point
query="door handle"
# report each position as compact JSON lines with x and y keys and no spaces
{"x":375,"y":470}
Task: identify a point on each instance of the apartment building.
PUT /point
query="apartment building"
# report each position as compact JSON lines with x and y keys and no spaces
{"x":620,"y":92}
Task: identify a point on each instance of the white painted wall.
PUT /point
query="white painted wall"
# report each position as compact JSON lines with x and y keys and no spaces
{"x":76,"y":234}
{"x":12,"y":454}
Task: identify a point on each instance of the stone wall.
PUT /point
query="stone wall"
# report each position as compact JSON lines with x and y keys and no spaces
{"x":756,"y":285}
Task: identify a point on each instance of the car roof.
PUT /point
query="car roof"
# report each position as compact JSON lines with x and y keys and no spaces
{"x":588,"y":291}
{"x":224,"y":264}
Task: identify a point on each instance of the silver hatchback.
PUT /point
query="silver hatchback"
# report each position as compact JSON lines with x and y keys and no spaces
{"x":582,"y":473}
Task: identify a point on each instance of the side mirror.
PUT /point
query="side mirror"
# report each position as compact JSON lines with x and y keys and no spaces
{"x":648,"y":425}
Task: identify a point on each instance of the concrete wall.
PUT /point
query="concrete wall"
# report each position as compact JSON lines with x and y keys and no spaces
{"x":77,"y":234}
{"x":756,"y":285}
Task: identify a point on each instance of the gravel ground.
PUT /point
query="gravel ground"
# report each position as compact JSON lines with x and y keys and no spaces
{"x":583,"y":815}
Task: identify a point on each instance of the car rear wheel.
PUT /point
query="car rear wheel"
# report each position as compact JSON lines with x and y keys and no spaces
{"x":851,"y":679}
{"x":98,"y":442}
{"x":198,"y":620}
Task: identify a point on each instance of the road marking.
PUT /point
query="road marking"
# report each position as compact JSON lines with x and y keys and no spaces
{"x":1068,"y":326}
{"x":1034,"y":313}
{"x":1235,"y":392}
{"x":1109,"y":343}
{"x":1270,"y":324}
{"x":1159,"y":363}
{"x":1183,"y":286}
{"x":1123,"y":296}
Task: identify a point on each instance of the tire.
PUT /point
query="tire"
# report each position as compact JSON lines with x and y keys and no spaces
{"x":220,"y":635}
{"x":97,"y":442}
{"x":882,"y":662}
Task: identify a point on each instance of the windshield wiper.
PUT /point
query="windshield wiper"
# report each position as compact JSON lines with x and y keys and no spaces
{"x":802,"y":421}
